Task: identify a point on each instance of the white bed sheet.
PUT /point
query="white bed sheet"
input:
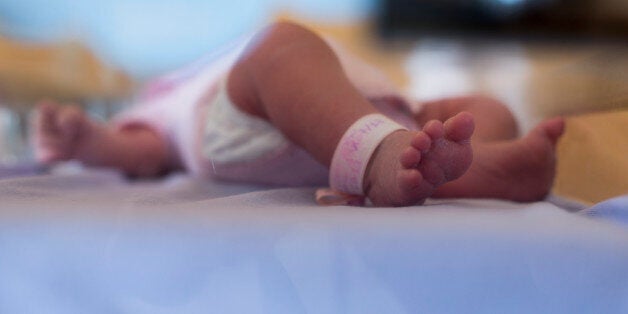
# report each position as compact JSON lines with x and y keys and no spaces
{"x":93,"y":242}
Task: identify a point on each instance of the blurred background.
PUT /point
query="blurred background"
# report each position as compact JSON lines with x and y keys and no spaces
{"x":542,"y":57}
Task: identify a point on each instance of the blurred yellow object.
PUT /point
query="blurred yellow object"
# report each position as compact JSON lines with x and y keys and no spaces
{"x":593,"y":157}
{"x":578,"y":78}
{"x":64,"y":71}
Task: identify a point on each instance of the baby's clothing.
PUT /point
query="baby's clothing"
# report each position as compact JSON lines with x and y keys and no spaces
{"x":246,"y":148}
{"x":211,"y":137}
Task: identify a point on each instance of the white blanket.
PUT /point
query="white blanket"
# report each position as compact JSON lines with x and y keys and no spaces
{"x":93,"y":242}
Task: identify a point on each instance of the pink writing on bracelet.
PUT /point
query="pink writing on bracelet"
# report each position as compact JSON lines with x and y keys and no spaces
{"x":355,"y":149}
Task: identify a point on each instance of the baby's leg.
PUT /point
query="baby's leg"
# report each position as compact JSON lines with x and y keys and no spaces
{"x":65,"y":132}
{"x":290,"y":77}
{"x":504,"y":166}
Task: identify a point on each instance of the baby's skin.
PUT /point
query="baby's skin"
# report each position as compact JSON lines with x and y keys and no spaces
{"x":65,"y":132}
{"x":406,"y":168}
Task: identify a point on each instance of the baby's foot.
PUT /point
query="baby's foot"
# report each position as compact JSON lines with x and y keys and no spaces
{"x":519,"y":170}
{"x":59,"y":132}
{"x":408,"y":166}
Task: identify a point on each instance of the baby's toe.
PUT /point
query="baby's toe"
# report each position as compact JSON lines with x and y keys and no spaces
{"x":413,"y":187}
{"x":410,"y":158}
{"x":434,"y":129}
{"x":460,"y":127}
{"x":552,"y":128}
{"x":421,"y":142}
{"x":409,"y":179}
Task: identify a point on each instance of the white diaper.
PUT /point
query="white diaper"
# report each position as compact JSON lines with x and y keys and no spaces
{"x":232,"y":136}
{"x":242,"y":147}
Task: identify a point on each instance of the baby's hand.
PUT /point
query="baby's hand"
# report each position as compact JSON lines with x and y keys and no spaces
{"x":57,"y":131}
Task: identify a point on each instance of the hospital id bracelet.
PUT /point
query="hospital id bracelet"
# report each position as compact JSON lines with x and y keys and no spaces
{"x":355,"y":149}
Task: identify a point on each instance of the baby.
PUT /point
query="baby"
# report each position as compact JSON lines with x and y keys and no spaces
{"x":291,"y":108}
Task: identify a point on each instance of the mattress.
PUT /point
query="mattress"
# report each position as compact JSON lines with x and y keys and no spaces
{"x":92,"y":241}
